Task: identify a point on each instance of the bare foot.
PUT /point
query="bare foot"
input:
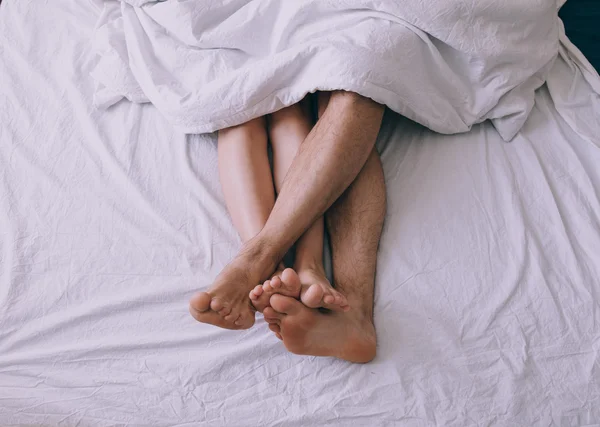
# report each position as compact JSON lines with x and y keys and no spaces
{"x":318,"y":292}
{"x":345,"y":335}
{"x":274,"y":326}
{"x":226,"y":303}
{"x":284,"y":283}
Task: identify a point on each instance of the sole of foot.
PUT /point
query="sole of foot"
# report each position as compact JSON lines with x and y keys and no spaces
{"x":346,"y":335}
{"x":226,"y":303}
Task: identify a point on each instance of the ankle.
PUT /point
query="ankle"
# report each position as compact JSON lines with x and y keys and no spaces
{"x":309,"y":263}
{"x":359,"y":310}
{"x":360,"y":301}
{"x":260,"y":256}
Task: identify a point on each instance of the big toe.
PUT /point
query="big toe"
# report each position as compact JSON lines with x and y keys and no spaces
{"x":290,"y":278}
{"x":200,"y":301}
{"x":285,"y":305}
{"x":312,"y":296}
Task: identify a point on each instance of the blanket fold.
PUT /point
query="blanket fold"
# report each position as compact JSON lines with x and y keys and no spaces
{"x":208,"y":64}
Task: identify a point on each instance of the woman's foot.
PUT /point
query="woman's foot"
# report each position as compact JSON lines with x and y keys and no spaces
{"x":284,"y":283}
{"x":317,"y":291}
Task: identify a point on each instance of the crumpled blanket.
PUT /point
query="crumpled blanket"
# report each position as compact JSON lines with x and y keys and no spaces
{"x":211,"y":64}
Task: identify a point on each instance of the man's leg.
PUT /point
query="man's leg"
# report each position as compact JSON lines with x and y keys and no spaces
{"x":355,"y":222}
{"x":328,"y":161}
{"x":288,"y":129}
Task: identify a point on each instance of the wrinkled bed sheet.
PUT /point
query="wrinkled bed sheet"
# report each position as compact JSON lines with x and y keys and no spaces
{"x":208,"y":64}
{"x":488,"y":277}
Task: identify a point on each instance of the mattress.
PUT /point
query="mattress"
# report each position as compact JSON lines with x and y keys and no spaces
{"x":487,"y":290}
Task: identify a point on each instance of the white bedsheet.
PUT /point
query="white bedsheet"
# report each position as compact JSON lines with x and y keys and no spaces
{"x":487,"y":289}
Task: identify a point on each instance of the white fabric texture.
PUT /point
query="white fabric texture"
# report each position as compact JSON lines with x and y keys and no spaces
{"x":488,"y":276}
{"x":209,"y":64}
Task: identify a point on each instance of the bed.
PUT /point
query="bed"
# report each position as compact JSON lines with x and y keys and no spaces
{"x":487,"y":291}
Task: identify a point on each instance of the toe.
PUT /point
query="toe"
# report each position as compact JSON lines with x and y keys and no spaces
{"x":256,"y":292}
{"x":225,"y":312}
{"x":343,"y":300}
{"x":312,"y":296}
{"x":276,"y":282}
{"x":329,"y":299}
{"x":290,"y":278}
{"x":213,"y":318}
{"x":336,"y":302}
{"x":267,"y":286}
{"x":216,"y":305}
{"x":285,"y":305}
{"x":232,"y":317}
{"x":340,"y":300}
{"x":244,"y":321}
{"x":200,"y":301}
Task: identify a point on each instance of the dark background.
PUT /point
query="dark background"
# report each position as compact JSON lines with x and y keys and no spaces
{"x":582,"y":24}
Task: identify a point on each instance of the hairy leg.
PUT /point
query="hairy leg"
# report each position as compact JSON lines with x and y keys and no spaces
{"x":355,"y":222}
{"x":316,"y":290}
{"x":288,"y":128}
{"x":328,"y":161}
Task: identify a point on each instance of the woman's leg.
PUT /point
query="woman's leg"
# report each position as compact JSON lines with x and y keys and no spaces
{"x":245,"y":176}
{"x":247,"y":184}
{"x":287,"y":130}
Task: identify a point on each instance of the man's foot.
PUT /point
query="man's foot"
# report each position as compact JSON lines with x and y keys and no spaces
{"x":345,"y":335}
{"x":284,"y":283}
{"x":226,"y":303}
{"x":318,"y":292}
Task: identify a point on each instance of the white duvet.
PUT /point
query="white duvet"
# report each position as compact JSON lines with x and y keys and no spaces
{"x":209,"y":64}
